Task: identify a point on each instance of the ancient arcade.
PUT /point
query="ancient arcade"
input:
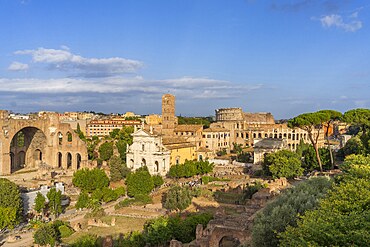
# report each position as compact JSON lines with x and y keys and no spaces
{"x":42,"y":141}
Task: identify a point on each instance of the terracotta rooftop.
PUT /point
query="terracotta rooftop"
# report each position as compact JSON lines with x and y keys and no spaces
{"x":216,"y":129}
{"x":188,"y":127}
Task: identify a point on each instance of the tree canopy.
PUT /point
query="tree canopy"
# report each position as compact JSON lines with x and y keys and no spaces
{"x":139,"y":182}
{"x":311,"y":122}
{"x":342,"y":217}
{"x":177,"y":198}
{"x":11,"y":206}
{"x":90,"y":180}
{"x":283,"y":163}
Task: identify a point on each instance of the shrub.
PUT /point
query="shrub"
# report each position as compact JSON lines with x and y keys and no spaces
{"x":157,"y":180}
{"x":109,"y":195}
{"x":190,"y":168}
{"x":86,"y":241}
{"x":11,"y":205}
{"x":83,"y":200}
{"x":139,"y":182}
{"x":46,"y":234}
{"x":177,"y":198}
{"x":65,"y":231}
{"x":120,"y":191}
{"x":90,"y":180}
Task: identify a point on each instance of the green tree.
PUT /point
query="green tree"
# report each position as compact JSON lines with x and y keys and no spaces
{"x":309,"y":161}
{"x":121,"y":146}
{"x":90,"y":180}
{"x":117,"y":169}
{"x":114,"y":133}
{"x":40,"y":203}
{"x":332,"y":116}
{"x":106,"y":151}
{"x":46,"y":234}
{"x":157,"y":180}
{"x":80,"y":134}
{"x":156,"y":232}
{"x":83,"y":200}
{"x":360,"y":118}
{"x":283,"y":163}
{"x":139,"y":182}
{"x":177,"y":198}
{"x":311,"y":122}
{"x":285,"y":210}
{"x":341,"y":218}
{"x":11,"y":206}
{"x":354,"y":146}
{"x":55,"y":201}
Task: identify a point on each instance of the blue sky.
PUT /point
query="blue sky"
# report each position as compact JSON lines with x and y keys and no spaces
{"x":283,"y":57}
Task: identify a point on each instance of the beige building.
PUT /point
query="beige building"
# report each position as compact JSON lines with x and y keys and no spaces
{"x":169,"y":120}
{"x":153,"y":119}
{"x":216,"y":139}
{"x":103,"y":127}
{"x":190,"y":132}
{"x":246,"y":127}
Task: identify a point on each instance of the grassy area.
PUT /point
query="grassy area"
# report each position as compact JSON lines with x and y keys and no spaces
{"x":123,"y":225}
{"x":226,"y":197}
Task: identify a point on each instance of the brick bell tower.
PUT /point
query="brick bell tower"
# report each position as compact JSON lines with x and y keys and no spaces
{"x":168,"y":114}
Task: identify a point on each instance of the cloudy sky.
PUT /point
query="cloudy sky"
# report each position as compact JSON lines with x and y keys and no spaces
{"x":280,"y":56}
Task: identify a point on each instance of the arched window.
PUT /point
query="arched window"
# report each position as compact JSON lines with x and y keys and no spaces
{"x":69,"y":136}
{"x":60,"y":138}
{"x":69,"y":160}
{"x":60,"y":160}
{"x":78,"y":159}
{"x":156,"y":166}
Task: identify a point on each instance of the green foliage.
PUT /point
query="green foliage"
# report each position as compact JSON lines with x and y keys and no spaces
{"x":65,"y":231}
{"x":177,"y":198}
{"x":80,"y":134}
{"x":91,"y":146}
{"x":109,"y":195}
{"x":139,"y":182}
{"x":342,"y":218}
{"x":120,"y":191}
{"x":83,"y":200}
{"x":184,"y":230}
{"x":97,"y":195}
{"x":121,"y":146}
{"x":309,"y":161}
{"x":10,"y":204}
{"x":190,"y":168}
{"x":139,"y":200}
{"x":132,"y":239}
{"x":157,"y":180}
{"x":195,"y":120}
{"x":86,"y":241}
{"x":106,"y":151}
{"x":55,"y":201}
{"x":117,"y":169}
{"x":160,"y":231}
{"x":283,"y":163}
{"x":8,"y":217}
{"x":90,"y":180}
{"x":46,"y":234}
{"x":354,"y":146}
{"x":358,"y":116}
{"x":114,"y":133}
{"x":285,"y":210}
{"x":40,"y":202}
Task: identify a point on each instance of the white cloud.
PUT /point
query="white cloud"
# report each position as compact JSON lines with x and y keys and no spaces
{"x":16,"y":66}
{"x":337,"y":21}
{"x":64,"y":60}
{"x":200,"y":88}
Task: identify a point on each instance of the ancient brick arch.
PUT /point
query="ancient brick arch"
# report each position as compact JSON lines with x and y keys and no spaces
{"x":219,"y":233}
{"x":41,"y":144}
